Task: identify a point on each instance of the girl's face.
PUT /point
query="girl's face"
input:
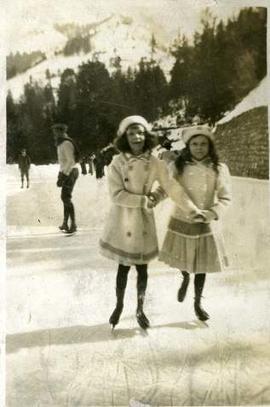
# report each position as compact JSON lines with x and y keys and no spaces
{"x":136,"y":138}
{"x":199,"y":147}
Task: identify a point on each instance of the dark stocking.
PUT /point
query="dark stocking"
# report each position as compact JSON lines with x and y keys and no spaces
{"x":141,"y":288}
{"x":121,"y":283}
{"x":199,"y":281}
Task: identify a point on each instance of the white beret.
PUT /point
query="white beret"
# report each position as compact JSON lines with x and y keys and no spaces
{"x":189,"y":132}
{"x":128,"y":121}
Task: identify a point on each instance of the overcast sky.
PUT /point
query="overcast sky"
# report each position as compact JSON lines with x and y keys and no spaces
{"x":27,"y":15}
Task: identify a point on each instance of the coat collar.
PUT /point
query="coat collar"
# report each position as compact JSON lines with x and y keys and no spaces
{"x":143,"y":157}
{"x":207,"y":162}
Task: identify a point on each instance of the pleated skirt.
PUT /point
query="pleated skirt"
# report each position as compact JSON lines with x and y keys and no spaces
{"x":193,"y":248}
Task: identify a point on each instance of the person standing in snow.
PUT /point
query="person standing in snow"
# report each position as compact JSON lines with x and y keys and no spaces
{"x":24,"y":163}
{"x":83,"y":162}
{"x":194,"y":246}
{"x":91,"y":166}
{"x":68,"y":174}
{"x":129,"y":235}
{"x":99,"y":165}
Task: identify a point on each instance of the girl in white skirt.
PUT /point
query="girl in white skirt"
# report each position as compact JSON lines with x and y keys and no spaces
{"x":192,"y":245}
{"x":129,"y":236}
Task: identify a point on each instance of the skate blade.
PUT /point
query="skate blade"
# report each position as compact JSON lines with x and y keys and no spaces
{"x":68,"y":233}
{"x":113,"y":330}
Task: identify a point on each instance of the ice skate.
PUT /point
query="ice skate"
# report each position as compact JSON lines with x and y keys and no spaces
{"x":72,"y":229}
{"x":140,"y":315}
{"x":64,"y":227}
{"x":114,"y":318}
{"x":201,"y":314}
{"x":142,"y":319}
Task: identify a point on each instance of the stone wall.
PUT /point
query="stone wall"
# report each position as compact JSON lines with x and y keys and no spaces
{"x":243,"y":144}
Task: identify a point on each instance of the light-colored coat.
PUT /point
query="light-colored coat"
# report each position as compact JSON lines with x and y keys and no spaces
{"x":130,"y":233}
{"x":206,"y":189}
{"x":199,"y":247}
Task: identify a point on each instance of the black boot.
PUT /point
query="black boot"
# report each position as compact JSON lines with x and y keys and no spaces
{"x":183,"y":289}
{"x":121,"y":283}
{"x":201,"y":314}
{"x":72,"y":229}
{"x":199,"y":281}
{"x":114,"y":318}
{"x":142,"y":319}
{"x":73,"y":226}
{"x":64,"y":227}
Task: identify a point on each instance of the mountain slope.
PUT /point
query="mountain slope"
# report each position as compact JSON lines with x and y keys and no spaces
{"x":119,"y":35}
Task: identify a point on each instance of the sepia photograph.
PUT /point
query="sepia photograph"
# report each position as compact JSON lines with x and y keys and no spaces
{"x":135,"y":215}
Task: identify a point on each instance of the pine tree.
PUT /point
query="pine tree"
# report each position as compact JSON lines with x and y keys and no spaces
{"x":67,"y":97}
{"x":12,"y":140}
{"x":93,"y":96}
{"x":182,"y":80}
{"x":151,"y":90}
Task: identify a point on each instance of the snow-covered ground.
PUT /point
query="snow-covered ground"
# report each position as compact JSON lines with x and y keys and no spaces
{"x":60,"y":291}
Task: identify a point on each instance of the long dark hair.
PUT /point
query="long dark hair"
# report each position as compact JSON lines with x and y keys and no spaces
{"x":122,"y":144}
{"x":185,"y":157}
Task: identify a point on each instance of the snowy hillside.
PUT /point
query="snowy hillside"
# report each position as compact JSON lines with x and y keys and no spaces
{"x":47,"y":40}
{"x":123,"y":36}
{"x":257,"y":97}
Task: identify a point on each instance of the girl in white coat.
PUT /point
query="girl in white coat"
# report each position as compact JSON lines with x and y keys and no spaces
{"x":192,"y":245}
{"x":129,"y":235}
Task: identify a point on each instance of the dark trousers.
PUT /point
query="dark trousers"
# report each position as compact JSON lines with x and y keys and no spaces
{"x":66,"y":195}
{"x":25,"y":173}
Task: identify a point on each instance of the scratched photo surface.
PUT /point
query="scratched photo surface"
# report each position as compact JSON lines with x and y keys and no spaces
{"x":88,"y":64}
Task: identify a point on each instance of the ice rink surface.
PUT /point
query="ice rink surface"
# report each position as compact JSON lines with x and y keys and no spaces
{"x":60,"y":293}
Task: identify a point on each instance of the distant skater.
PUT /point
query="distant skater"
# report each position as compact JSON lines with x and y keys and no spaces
{"x":193,"y":246}
{"x":68,"y":174}
{"x":24,"y":163}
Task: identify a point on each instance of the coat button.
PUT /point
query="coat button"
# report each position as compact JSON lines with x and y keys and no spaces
{"x":128,"y":234}
{"x":126,"y":179}
{"x":144,"y":233}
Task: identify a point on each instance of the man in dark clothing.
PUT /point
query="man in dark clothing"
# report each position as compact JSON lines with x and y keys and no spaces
{"x":99,"y":165}
{"x":91,"y":164}
{"x":24,"y":163}
{"x":83,"y":165}
{"x":68,"y":174}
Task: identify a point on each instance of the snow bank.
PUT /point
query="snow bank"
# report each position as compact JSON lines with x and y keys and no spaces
{"x":257,"y":97}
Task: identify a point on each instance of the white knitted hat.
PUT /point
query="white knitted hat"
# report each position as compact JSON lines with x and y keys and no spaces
{"x":189,"y":132}
{"x":128,"y":121}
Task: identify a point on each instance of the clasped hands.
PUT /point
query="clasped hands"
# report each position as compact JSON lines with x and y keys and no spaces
{"x":204,"y":216}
